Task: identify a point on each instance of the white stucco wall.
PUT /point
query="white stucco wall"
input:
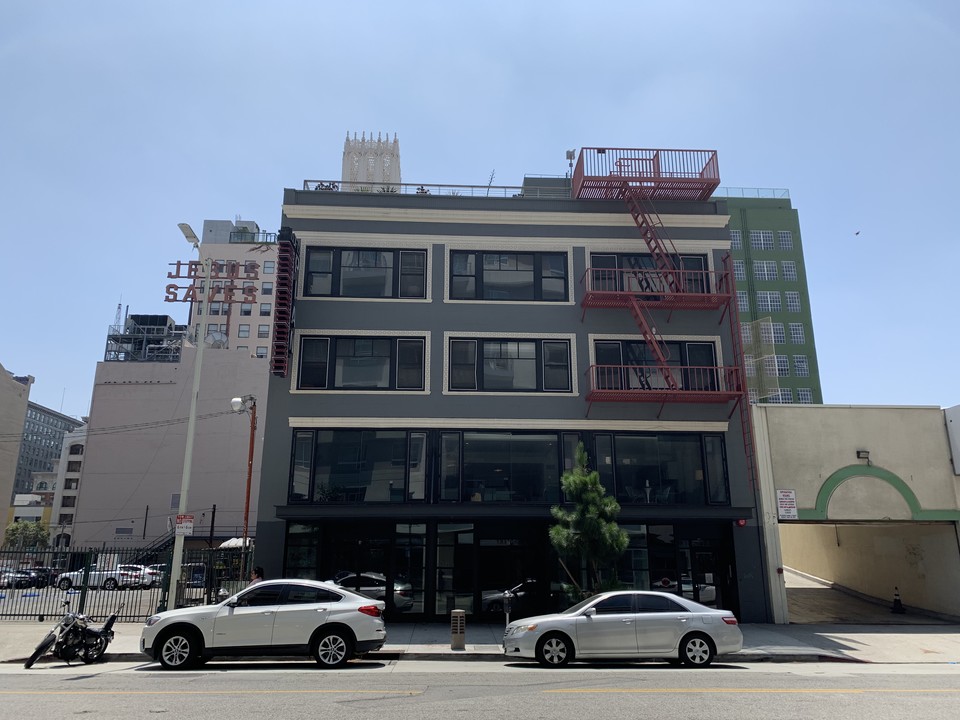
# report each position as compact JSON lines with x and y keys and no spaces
{"x":870,"y":539}
{"x":130,"y":475}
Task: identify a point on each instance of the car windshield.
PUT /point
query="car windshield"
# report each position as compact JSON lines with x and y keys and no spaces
{"x":574,"y":609}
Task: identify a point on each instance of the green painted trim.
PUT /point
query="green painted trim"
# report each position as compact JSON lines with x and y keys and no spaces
{"x":850,"y":471}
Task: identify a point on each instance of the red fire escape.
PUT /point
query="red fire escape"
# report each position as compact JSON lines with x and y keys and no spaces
{"x":287,"y":254}
{"x":639,"y":178}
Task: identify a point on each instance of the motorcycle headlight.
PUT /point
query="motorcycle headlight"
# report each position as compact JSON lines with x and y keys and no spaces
{"x":153,"y":620}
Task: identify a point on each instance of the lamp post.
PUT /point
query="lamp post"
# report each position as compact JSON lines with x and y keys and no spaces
{"x":177,"y":559}
{"x":239,"y":405}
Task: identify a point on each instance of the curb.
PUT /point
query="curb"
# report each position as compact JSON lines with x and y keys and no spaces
{"x":742,"y":657}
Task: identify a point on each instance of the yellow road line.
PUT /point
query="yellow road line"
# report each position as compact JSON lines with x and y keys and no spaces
{"x":209,"y":692}
{"x":861,"y":691}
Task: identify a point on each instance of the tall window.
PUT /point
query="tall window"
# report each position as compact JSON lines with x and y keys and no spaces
{"x":783,"y":366}
{"x":789,"y":270}
{"x":797,"y":334}
{"x":365,"y":273}
{"x":361,"y":363}
{"x":263,"y":331}
{"x":269,"y":267}
{"x":805,"y":396}
{"x":746,"y":333}
{"x":800,"y":366}
{"x":793,"y":301}
{"x":265,"y":309}
{"x":736,"y":240}
{"x":510,"y":365}
{"x":743,"y":301}
{"x":739,"y":271}
{"x":779,"y":336}
{"x":785,"y":239}
{"x":243,"y":331}
{"x":267,"y":288}
{"x":508,"y":276}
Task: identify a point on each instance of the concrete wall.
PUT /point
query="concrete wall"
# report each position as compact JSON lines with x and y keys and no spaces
{"x":131,"y":474}
{"x":868,"y":524}
{"x":919,"y":559}
{"x":14,"y":397}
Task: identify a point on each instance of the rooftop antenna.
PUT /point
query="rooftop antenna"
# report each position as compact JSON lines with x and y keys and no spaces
{"x":571,"y":154}
{"x":490,"y":181}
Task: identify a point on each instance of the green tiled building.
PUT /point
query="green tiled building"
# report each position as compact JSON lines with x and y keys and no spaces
{"x":773,"y":299}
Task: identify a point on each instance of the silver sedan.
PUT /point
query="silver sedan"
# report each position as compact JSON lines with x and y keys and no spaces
{"x":626,"y":625}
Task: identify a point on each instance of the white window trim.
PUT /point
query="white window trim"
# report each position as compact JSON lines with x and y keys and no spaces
{"x":569,"y":337}
{"x":485,"y":246}
{"x":315,"y":332}
{"x":382,"y":242}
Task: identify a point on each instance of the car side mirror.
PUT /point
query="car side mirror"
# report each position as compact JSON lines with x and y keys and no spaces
{"x":233,"y":604}
{"x":590,"y":612}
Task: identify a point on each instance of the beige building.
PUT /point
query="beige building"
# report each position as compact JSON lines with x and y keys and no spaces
{"x":136,"y":436}
{"x":14,"y":396}
{"x":865,"y":497}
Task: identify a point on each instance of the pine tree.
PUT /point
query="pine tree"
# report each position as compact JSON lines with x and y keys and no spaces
{"x":589,"y":531}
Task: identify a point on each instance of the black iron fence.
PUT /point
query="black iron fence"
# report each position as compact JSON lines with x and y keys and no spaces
{"x":33,"y":584}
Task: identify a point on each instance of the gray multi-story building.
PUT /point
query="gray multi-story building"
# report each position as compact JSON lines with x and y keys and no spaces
{"x":440,"y":352}
{"x":43,"y":431}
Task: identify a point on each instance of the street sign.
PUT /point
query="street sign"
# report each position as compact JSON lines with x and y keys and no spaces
{"x":184,"y":524}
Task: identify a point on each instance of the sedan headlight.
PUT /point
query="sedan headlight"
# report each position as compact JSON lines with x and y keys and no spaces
{"x":153,"y":620}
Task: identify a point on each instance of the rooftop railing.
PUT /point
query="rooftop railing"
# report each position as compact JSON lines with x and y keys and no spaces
{"x":742,"y":192}
{"x":498,"y":191}
{"x":249,"y":237}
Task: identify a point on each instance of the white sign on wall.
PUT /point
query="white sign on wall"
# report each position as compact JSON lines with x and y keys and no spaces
{"x":787,"y":505}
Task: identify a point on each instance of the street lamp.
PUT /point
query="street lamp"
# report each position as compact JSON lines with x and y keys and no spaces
{"x":177,"y":559}
{"x":239,"y":405}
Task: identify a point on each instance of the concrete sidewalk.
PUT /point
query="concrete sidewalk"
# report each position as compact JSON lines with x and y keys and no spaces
{"x":771,"y":643}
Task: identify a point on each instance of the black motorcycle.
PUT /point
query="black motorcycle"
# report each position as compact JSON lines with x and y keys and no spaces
{"x":74,"y":637}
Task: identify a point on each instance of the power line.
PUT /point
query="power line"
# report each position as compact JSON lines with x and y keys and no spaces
{"x":18,"y":437}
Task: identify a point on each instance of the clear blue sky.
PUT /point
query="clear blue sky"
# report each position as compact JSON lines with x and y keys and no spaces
{"x":120,"y":119}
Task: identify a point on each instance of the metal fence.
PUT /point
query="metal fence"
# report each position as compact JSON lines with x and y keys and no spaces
{"x":33,"y":584}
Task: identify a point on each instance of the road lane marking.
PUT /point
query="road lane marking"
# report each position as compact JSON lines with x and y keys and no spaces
{"x":210,"y":692}
{"x":860,"y":691}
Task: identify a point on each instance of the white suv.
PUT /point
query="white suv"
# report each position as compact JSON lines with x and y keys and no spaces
{"x":272,"y":617}
{"x":122,"y":576}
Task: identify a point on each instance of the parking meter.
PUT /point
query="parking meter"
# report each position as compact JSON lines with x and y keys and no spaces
{"x":507,"y":603}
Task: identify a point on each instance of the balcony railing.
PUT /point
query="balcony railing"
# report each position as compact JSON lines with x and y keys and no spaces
{"x":648,"y":383}
{"x":690,"y":289}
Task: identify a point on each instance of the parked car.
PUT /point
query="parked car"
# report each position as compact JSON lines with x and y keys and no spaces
{"x":374,"y":584}
{"x":44,"y":575}
{"x":273,"y":617}
{"x":626,"y":624}
{"x":8,"y":577}
{"x":157,"y":575}
{"x":122,"y":576}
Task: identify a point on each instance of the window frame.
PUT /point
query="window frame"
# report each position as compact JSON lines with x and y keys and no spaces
{"x":538,"y":273}
{"x":479,"y":356}
{"x":331,"y":376}
{"x":336,"y":275}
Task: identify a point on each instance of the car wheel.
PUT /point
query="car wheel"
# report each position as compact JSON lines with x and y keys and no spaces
{"x":554,"y":650}
{"x":109,"y":584}
{"x":696,"y":651}
{"x":65,"y":584}
{"x":332,"y":648}
{"x":179,"y":650}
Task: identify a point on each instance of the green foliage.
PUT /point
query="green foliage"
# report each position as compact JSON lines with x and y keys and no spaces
{"x":26,"y":534}
{"x":589,"y":531}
